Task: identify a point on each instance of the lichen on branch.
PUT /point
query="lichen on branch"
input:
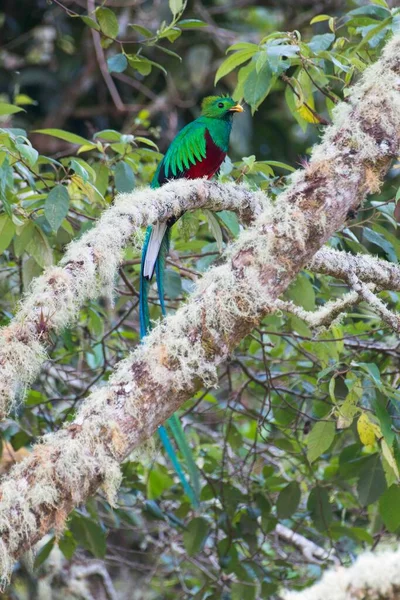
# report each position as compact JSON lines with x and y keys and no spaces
{"x":89,"y":268}
{"x":372,"y":577}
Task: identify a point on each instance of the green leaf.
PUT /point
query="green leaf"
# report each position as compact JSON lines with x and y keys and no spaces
{"x":108,"y":21}
{"x":56,"y":206}
{"x":385,"y":420}
{"x":66,"y":136}
{"x":354,"y":533}
{"x":278,"y":55}
{"x":257,"y":86}
{"x":319,"y":19}
{"x":243,"y":591}
{"x":396,"y":23}
{"x":157,"y":482}
{"x":171,"y":33}
{"x":244,"y":46}
{"x":389,"y":508}
{"x":9,"y":109}
{"x":117,"y":63}
{"x":291,"y":100}
{"x":108,"y":135}
{"x":176,"y":6}
{"x":90,"y":22}
{"x":7,"y":230}
{"x":372,"y":32}
{"x":288,"y":500}
{"x":319,"y":439}
{"x":228,"y":554}
{"x":381,"y":3}
{"x":167,"y":50}
{"x":191,"y":24}
{"x":262,"y":167}
{"x":88,"y":534}
{"x":372,"y":10}
{"x":379,"y":240}
{"x":172,"y":284}
{"x":154,"y":510}
{"x":336,"y":61}
{"x":77,"y":166}
{"x":146,"y":141}
{"x":233,"y":61}
{"x":44,"y":553}
{"x":28,"y":154}
{"x":95,"y":323}
{"x":22,"y":238}
{"x":373,"y":371}
{"x":243,"y":74}
{"x":124,"y":177}
{"x":321,"y":42}
{"x":230,"y":220}
{"x":361,"y":22}
{"x":320,"y":508}
{"x":301,"y":292}
{"x":101,"y":181}
{"x":143,"y":65}
{"x":280,"y":165}
{"x":215,"y":228}
{"x":143,"y":30}
{"x":39,"y":248}
{"x":196,"y":535}
{"x":67,"y":545}
{"x":389,"y":463}
{"x":372,"y":482}
{"x":390,"y":237}
{"x":30,"y":270}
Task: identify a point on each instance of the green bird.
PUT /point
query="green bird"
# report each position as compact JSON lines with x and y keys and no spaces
{"x":197,"y":151}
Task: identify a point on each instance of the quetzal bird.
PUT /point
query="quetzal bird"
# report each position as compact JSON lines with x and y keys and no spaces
{"x":198,"y":150}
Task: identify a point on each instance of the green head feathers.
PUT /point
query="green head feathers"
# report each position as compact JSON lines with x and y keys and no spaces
{"x":219,"y":107}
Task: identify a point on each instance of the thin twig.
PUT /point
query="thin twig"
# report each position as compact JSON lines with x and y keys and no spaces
{"x":391,"y":318}
{"x":120,"y":106}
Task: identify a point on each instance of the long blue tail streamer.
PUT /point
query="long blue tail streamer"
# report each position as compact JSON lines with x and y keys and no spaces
{"x":192,"y":490}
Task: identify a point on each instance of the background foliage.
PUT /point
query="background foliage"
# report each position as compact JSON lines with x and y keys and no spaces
{"x":302,"y":428}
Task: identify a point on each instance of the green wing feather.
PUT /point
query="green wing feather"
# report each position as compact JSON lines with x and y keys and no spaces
{"x":188,"y":148}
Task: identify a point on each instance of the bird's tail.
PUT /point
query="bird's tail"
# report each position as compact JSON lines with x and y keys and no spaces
{"x":154,"y":254}
{"x":144,"y":315}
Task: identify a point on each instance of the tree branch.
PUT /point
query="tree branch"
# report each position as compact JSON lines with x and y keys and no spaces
{"x":324,"y":316}
{"x":371,"y":577}
{"x":90,"y":265}
{"x":311,"y":552}
{"x":184,"y":350}
{"x":369,"y":269}
{"x":365,"y":292}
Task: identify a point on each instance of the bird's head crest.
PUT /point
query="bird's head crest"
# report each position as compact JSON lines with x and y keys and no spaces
{"x":219,"y":107}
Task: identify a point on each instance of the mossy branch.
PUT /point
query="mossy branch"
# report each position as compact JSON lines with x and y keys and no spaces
{"x":324,"y":316}
{"x":372,"y":577}
{"x":369,"y":269}
{"x":310,"y":551}
{"x":89,"y":267}
{"x":184,"y":351}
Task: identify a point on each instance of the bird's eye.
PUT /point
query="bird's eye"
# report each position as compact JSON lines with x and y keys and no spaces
{"x":220,"y":105}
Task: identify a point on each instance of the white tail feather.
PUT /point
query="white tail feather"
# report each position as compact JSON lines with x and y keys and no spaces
{"x":156,"y":237}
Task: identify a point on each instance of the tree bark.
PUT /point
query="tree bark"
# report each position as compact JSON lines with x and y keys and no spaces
{"x":183,"y":351}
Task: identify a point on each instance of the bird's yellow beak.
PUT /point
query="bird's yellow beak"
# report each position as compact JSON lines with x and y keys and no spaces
{"x":236,"y":108}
